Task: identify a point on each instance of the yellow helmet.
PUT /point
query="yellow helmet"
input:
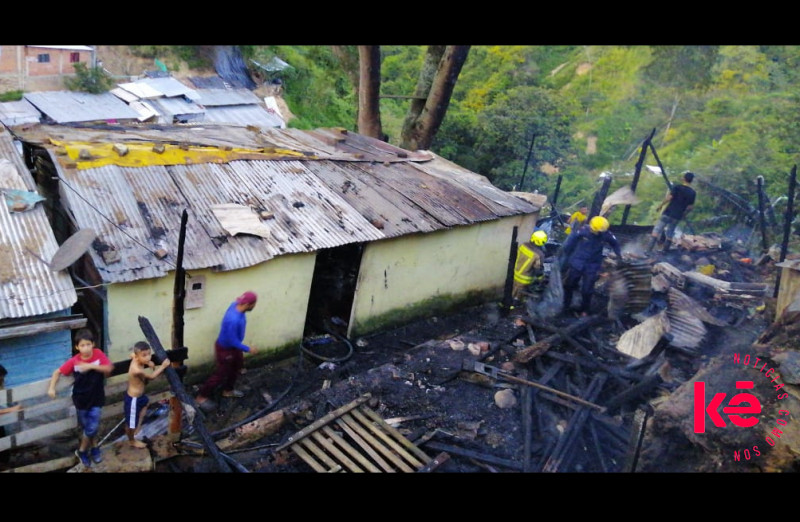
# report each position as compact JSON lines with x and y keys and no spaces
{"x":539,"y":238}
{"x":598,"y":224}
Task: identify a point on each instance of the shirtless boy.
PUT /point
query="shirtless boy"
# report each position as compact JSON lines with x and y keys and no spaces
{"x":135,"y":399}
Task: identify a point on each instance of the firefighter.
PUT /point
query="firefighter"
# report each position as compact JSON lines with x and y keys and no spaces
{"x":529,"y":267}
{"x":582,"y":257}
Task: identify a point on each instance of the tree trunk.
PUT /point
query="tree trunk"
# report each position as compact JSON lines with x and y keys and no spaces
{"x":369,"y":112}
{"x":435,"y":86}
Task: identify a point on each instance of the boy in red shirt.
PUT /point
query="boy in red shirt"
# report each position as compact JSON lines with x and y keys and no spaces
{"x":90,"y":367}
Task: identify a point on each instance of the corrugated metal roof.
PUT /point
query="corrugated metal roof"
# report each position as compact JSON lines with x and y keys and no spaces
{"x":65,"y":47}
{"x":27,"y":285}
{"x":217,"y":97}
{"x":176,"y":107}
{"x":139,"y":90}
{"x":122,"y":94}
{"x":72,"y":106}
{"x":349,"y":188}
{"x":18,"y":112}
{"x":243,"y":115}
{"x":169,"y":87}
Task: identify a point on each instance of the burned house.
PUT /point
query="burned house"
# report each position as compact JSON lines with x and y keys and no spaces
{"x":321,"y":224}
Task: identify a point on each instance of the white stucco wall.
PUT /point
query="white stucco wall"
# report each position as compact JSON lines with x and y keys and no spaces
{"x":408,"y":270}
{"x":282,"y":284}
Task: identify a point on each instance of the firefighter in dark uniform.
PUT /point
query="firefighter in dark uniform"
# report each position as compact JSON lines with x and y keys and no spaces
{"x":583,"y":257}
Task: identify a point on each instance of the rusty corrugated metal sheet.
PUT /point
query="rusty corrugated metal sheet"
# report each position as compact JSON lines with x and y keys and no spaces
{"x":341,"y":188}
{"x":144,"y":213}
{"x":28,"y":287}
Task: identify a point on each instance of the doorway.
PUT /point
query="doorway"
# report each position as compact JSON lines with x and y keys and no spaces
{"x":333,"y":289}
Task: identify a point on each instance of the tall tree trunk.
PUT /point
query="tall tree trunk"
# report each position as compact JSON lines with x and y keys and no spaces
{"x":369,"y":112}
{"x":435,"y":86}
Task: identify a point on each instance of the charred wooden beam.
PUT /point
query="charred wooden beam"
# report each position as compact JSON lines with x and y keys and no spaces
{"x":178,"y":389}
{"x":510,"y":464}
{"x":633,"y":393}
{"x":565,"y":443}
{"x":528,"y":353}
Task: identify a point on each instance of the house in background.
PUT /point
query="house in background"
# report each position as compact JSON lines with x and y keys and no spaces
{"x":41,"y":67}
{"x":36,"y":297}
{"x":321,"y":224}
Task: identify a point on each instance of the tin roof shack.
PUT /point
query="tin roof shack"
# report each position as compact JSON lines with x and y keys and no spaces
{"x":36,"y":297}
{"x":321,"y":224}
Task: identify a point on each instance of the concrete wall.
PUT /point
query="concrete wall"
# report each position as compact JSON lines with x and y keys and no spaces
{"x":416,"y":275}
{"x":282,"y":284}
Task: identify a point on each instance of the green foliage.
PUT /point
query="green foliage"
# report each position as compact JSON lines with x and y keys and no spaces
{"x":726,"y":112}
{"x":92,"y":80}
{"x":316,"y":88}
{"x":9,"y":96}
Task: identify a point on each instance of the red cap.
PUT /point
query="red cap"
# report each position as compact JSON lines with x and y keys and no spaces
{"x":247,"y":298}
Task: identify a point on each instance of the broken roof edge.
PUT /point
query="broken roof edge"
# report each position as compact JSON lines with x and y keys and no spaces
{"x":335,"y":144}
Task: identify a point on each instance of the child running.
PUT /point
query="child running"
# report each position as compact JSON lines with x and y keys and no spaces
{"x":89,"y":367}
{"x":135,"y":399}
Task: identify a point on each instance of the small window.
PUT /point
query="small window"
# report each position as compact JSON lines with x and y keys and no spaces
{"x":43,"y":58}
{"x":74,"y":57}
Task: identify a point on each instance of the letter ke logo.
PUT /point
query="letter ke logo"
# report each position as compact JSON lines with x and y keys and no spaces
{"x":734,"y":411}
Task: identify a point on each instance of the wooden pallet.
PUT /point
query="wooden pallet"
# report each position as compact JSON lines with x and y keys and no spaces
{"x":355,"y":439}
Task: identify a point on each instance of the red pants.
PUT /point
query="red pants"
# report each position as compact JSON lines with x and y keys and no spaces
{"x":229,"y":364}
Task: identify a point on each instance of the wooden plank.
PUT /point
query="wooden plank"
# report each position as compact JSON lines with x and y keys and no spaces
{"x":440,"y":459}
{"x":316,"y":466}
{"x":46,"y":467}
{"x":421,"y":455}
{"x":386,"y":452}
{"x":36,"y":328}
{"x":336,"y":452}
{"x":314,"y":426}
{"x":353,"y":432}
{"x":317,"y":452}
{"x":37,"y":410}
{"x":37,"y":433}
{"x":397,"y":448}
{"x":353,"y":452}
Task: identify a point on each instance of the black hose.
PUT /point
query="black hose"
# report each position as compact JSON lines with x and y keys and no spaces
{"x":322,"y":358}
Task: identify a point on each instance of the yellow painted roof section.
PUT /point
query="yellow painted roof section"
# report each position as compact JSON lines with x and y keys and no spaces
{"x":87,"y":155}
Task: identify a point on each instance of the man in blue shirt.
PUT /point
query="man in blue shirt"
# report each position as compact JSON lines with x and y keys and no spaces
{"x":583,"y":256}
{"x":229,"y":351}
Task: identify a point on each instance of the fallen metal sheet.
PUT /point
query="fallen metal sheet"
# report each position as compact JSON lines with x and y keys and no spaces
{"x":640,"y":340}
{"x":355,"y":439}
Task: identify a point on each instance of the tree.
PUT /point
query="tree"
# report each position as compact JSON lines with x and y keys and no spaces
{"x":437,"y":79}
{"x":369,"y":86}
{"x":525,"y":128}
{"x":94,"y":80}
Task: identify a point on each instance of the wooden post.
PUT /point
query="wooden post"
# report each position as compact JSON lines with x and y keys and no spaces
{"x":179,"y":295}
{"x":599,"y":197}
{"x":179,"y":391}
{"x":637,"y":172}
{"x":512,"y":260}
{"x":527,"y":160}
{"x":787,"y":225}
{"x":761,"y":219}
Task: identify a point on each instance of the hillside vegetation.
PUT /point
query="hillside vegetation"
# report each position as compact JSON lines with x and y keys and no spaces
{"x":521,"y":115}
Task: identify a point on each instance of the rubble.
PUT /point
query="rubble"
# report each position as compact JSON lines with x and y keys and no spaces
{"x":494,"y":390}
